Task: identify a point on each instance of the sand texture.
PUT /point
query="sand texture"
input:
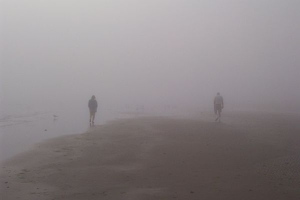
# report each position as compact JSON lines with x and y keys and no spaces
{"x":160,"y":159}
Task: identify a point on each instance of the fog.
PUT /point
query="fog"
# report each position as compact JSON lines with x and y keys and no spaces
{"x":56,"y":54}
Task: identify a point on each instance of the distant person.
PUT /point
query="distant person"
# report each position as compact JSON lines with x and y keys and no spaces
{"x":93,"y":105}
{"x":218,"y":106}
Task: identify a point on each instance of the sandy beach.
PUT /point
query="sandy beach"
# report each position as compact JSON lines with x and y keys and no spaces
{"x":253,"y":157}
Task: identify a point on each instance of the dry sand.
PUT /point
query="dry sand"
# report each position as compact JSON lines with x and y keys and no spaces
{"x":161,"y":158}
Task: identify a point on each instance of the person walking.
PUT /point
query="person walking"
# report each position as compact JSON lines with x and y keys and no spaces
{"x":218,"y":106}
{"x":93,"y":105}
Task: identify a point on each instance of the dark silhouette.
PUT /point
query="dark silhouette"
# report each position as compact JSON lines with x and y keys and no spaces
{"x":93,"y":105}
{"x":218,"y":106}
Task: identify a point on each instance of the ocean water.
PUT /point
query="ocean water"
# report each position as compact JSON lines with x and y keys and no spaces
{"x":20,"y":131}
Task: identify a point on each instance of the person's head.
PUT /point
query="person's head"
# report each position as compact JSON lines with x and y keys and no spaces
{"x":218,"y":93}
{"x":93,"y":97}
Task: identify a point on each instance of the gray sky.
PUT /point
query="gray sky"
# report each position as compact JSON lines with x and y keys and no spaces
{"x":151,"y":51}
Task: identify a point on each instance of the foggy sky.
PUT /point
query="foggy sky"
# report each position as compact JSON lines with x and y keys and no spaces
{"x":179,"y":52}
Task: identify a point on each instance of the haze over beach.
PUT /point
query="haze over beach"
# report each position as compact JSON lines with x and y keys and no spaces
{"x":154,"y":68}
{"x":59,"y":53}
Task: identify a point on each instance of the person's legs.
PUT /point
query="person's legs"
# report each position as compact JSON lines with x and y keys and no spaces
{"x":218,"y":111}
{"x":93,"y":117}
{"x":219,"y":114}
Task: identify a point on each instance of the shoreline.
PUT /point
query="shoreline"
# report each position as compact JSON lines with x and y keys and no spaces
{"x":162,"y":158}
{"x":21,"y":133}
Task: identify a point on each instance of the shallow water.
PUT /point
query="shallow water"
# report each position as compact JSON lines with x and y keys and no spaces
{"x":19,"y":133}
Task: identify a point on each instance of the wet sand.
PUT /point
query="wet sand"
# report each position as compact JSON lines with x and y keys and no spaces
{"x":252,"y":157}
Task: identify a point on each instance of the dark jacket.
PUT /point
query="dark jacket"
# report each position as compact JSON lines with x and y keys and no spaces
{"x":93,"y":105}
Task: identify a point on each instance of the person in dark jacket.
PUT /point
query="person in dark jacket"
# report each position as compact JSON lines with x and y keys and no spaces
{"x":93,"y":105}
